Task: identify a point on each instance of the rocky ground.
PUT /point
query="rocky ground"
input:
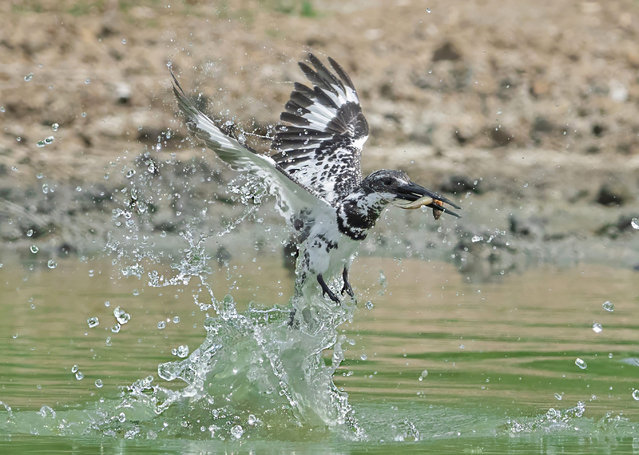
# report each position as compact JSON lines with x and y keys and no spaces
{"x":526,"y":111}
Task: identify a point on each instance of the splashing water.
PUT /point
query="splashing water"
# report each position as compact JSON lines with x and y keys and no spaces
{"x":254,"y":372}
{"x":252,"y":366}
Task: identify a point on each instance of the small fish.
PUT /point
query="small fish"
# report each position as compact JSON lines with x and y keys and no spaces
{"x":424,"y":201}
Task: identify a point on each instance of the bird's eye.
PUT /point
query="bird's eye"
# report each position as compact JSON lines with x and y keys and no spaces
{"x":387,"y":182}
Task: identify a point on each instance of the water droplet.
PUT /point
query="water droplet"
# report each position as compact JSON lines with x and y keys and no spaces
{"x":122,"y":417}
{"x":559,"y":396}
{"x":634,"y":223}
{"x":635,"y":394}
{"x":2,"y":109}
{"x":52,"y":264}
{"x":252,"y":420}
{"x":45,"y":188}
{"x":168,"y":371}
{"x":363,"y":357}
{"x":130,"y":173}
{"x":176,"y":319}
{"x":237,"y":431}
{"x":34,"y":249}
{"x":423,"y":375}
{"x":123,"y":41}
{"x":476,"y":238}
{"x":181,"y":351}
{"x":161,"y":325}
{"x":99,"y":383}
{"x":608,"y":306}
{"x":116,"y":328}
{"x":28,"y":77}
{"x":93,"y":322}
{"x":581,"y":363}
{"x":121,"y":316}
{"x":55,"y":126}
{"x":87,"y":81}
{"x":79,"y":375}
{"x":369,"y":305}
{"x":428,"y":10}
{"x":47,"y":410}
{"x":107,"y":341}
{"x":19,"y":139}
{"x":596,"y":327}
{"x":74,"y":369}
{"x":29,"y":232}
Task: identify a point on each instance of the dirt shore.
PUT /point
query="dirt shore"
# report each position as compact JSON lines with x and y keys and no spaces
{"x":528,"y":112}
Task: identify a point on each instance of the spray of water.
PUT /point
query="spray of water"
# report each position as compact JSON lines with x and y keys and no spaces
{"x":255,"y":372}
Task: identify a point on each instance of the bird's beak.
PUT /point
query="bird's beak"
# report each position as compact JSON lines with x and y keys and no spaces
{"x":413,"y":196}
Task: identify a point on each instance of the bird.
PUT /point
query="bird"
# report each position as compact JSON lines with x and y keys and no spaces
{"x":314,"y":172}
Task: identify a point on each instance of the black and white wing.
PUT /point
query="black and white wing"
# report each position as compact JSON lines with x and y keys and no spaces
{"x":293,"y":198}
{"x":321,"y":145}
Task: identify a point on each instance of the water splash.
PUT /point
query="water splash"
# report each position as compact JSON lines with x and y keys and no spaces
{"x":256,"y":371}
{"x":553,"y":420}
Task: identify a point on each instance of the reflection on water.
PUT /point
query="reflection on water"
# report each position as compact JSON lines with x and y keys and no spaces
{"x":427,"y":355}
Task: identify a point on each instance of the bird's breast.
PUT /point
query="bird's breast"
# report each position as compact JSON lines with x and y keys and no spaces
{"x":354,"y":220}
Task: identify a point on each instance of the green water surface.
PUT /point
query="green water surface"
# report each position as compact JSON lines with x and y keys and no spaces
{"x":435,"y":363}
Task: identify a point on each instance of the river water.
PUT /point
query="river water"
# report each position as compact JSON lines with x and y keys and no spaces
{"x":544,"y":361}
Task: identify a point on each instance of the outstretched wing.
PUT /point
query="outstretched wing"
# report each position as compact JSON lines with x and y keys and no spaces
{"x":321,"y":147}
{"x":292,"y":197}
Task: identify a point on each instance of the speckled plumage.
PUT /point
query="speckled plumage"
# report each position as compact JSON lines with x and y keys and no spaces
{"x":321,"y":143}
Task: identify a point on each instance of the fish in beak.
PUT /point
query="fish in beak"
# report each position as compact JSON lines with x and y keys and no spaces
{"x":414,"y":196}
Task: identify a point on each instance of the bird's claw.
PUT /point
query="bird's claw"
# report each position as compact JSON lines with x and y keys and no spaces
{"x":326,"y":289}
{"x":348,"y":289}
{"x":331,"y":295}
{"x":347,"y":286}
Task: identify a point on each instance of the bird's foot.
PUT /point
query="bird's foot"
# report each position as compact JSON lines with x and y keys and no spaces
{"x":348,"y":289}
{"x":347,"y":286}
{"x":326,"y":290}
{"x":331,"y":295}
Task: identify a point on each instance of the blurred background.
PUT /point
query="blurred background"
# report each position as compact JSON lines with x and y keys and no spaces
{"x":527,"y":112}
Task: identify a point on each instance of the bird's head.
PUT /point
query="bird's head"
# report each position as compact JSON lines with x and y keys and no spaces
{"x":396,"y":188}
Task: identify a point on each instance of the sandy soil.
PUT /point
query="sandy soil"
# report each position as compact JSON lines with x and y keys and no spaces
{"x":531,"y":108}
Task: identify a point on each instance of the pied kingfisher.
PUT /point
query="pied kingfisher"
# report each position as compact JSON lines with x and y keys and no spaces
{"x":315,"y":173}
